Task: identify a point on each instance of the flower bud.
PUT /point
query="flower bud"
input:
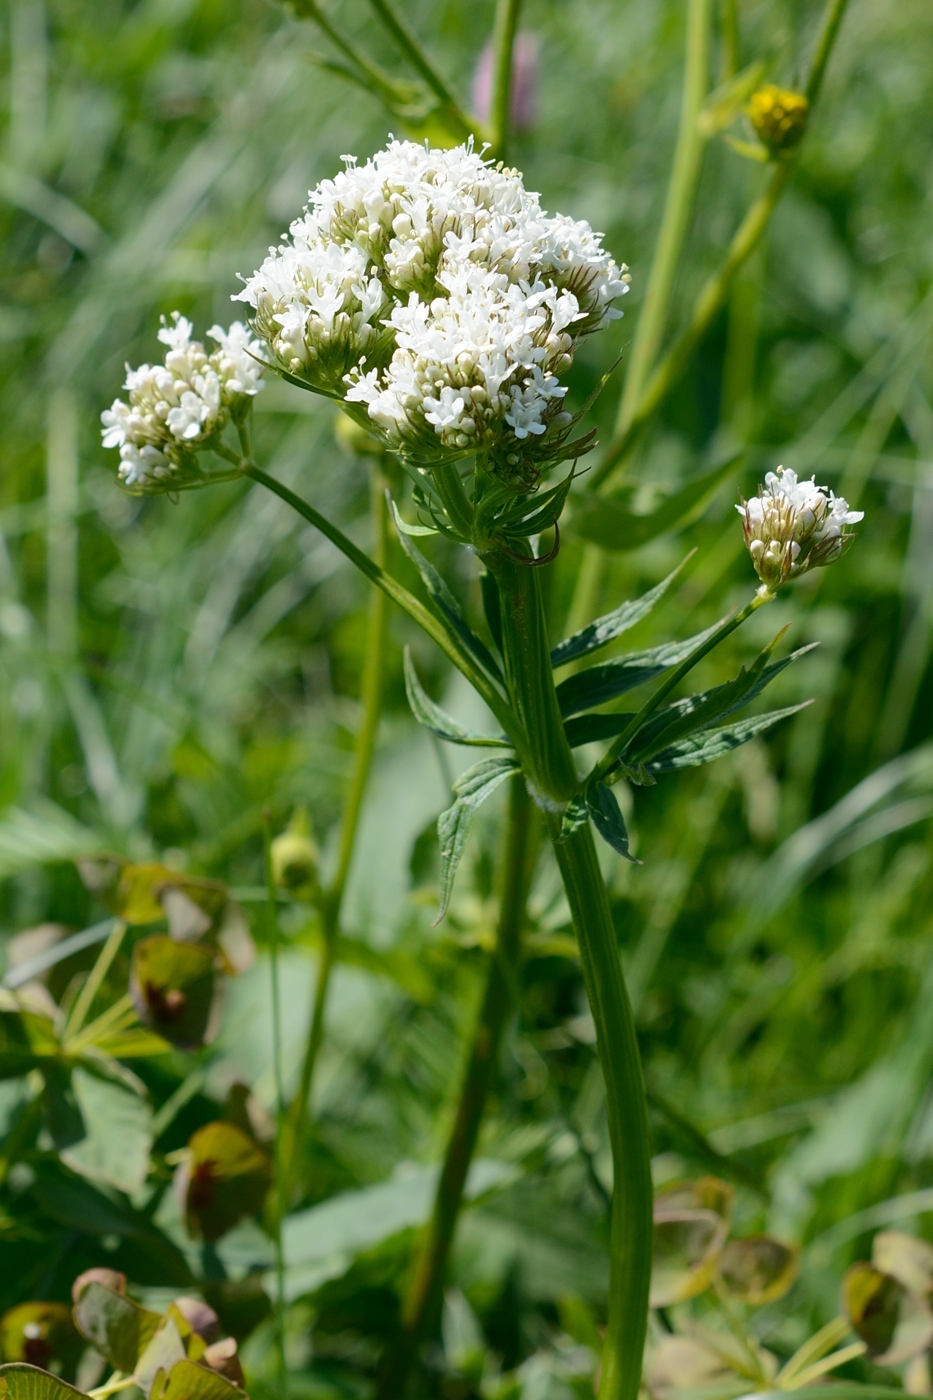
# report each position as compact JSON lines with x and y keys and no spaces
{"x":779,"y":117}
{"x":295,"y":856}
{"x":792,"y":526}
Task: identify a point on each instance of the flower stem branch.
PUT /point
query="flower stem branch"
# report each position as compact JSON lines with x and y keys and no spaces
{"x":422,"y":64}
{"x":681,"y":192}
{"x":422,"y":1299}
{"x":713,"y":295}
{"x":332,"y":900}
{"x":503,"y":47}
{"x":400,"y":595}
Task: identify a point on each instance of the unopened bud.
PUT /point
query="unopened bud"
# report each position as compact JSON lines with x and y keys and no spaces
{"x":792,"y":526}
{"x":779,"y":117}
{"x":295,"y":856}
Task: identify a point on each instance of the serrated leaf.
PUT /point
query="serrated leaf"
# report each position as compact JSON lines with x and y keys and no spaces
{"x":608,"y":820}
{"x":608,"y":522}
{"x":603,"y":630}
{"x":472,"y":789}
{"x":447,"y":603}
{"x":120,"y":1329}
{"x":698,"y":712}
{"x":598,"y":684}
{"x":433,"y":718}
{"x":714,"y":743}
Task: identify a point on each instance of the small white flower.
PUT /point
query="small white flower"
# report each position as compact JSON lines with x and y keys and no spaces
{"x":179,"y":406}
{"x":792,"y":526}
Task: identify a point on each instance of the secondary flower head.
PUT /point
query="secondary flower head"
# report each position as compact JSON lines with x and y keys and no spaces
{"x":177,"y":407}
{"x":430,"y":292}
{"x":792,"y":526}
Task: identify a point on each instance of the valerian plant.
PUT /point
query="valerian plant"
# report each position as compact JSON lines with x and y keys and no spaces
{"x":428,"y":293}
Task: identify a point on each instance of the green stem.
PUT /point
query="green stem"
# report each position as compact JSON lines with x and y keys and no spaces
{"x":713,"y":295}
{"x":731,"y":39}
{"x":85,"y":998}
{"x":421,"y":63}
{"x":332,"y":899}
{"x":272,"y":923}
{"x":681,"y":192}
{"x":531,"y":683}
{"x":503,"y":47}
{"x":630,"y":1236}
{"x":405,"y":600}
{"x":422,"y":1299}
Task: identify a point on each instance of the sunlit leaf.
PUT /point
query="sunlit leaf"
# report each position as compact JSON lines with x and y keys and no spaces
{"x":20,"y":1381}
{"x":188,"y":1380}
{"x":119,"y":1328}
{"x":224,"y":1177}
{"x":436,"y":720}
{"x":173,"y":988}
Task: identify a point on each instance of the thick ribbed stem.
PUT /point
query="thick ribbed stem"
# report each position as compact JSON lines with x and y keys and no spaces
{"x":531,"y":683}
{"x":423,"y":1297}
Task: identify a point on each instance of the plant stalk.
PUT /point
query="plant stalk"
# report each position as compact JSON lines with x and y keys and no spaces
{"x":503,"y":48}
{"x":531,"y":684}
{"x":281,"y":1197}
{"x":332,"y":899}
{"x":422,"y":65}
{"x":422,"y":1300}
{"x":681,"y":192}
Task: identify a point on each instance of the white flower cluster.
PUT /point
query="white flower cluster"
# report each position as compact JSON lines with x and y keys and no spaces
{"x":792,"y":526}
{"x":429,"y":287}
{"x":176,"y":406}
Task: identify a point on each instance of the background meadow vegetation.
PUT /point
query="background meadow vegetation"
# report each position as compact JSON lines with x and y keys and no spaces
{"x":170,"y":670}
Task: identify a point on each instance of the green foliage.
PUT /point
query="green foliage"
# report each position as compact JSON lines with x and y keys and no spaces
{"x":170,"y":671}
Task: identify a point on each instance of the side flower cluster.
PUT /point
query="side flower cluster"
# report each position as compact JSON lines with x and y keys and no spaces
{"x":430,"y":288}
{"x":792,"y":526}
{"x":175,"y":408}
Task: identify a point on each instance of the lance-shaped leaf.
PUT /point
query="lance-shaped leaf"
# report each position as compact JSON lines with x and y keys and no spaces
{"x":758,"y":1269}
{"x":603,"y":630}
{"x":119,"y":1328}
{"x":427,"y":713}
{"x":598,"y":684}
{"x":698,"y":712}
{"x":905,"y":1256}
{"x":173,"y":989}
{"x":894,"y":1323}
{"x":714,"y":743}
{"x":42,"y":1334}
{"x":448,"y":605}
{"x":224,"y":1177}
{"x":603,"y":807}
{"x":20,"y":1381}
{"x":472,"y":789}
{"x":608,"y":521}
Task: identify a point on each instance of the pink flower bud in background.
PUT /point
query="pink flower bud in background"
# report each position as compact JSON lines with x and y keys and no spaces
{"x":523,"y":98}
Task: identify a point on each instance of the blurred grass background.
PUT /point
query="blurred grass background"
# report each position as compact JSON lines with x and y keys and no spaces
{"x":170,"y":669}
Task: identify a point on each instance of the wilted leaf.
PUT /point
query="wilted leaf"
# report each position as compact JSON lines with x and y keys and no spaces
{"x":683,"y":1363}
{"x":119,"y":1328}
{"x":41,"y":1334}
{"x":224,"y":1177}
{"x":894,"y":1323}
{"x":758,"y":1269}
{"x":687,"y":1245}
{"x":173,"y":989}
{"x":907,"y":1258}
